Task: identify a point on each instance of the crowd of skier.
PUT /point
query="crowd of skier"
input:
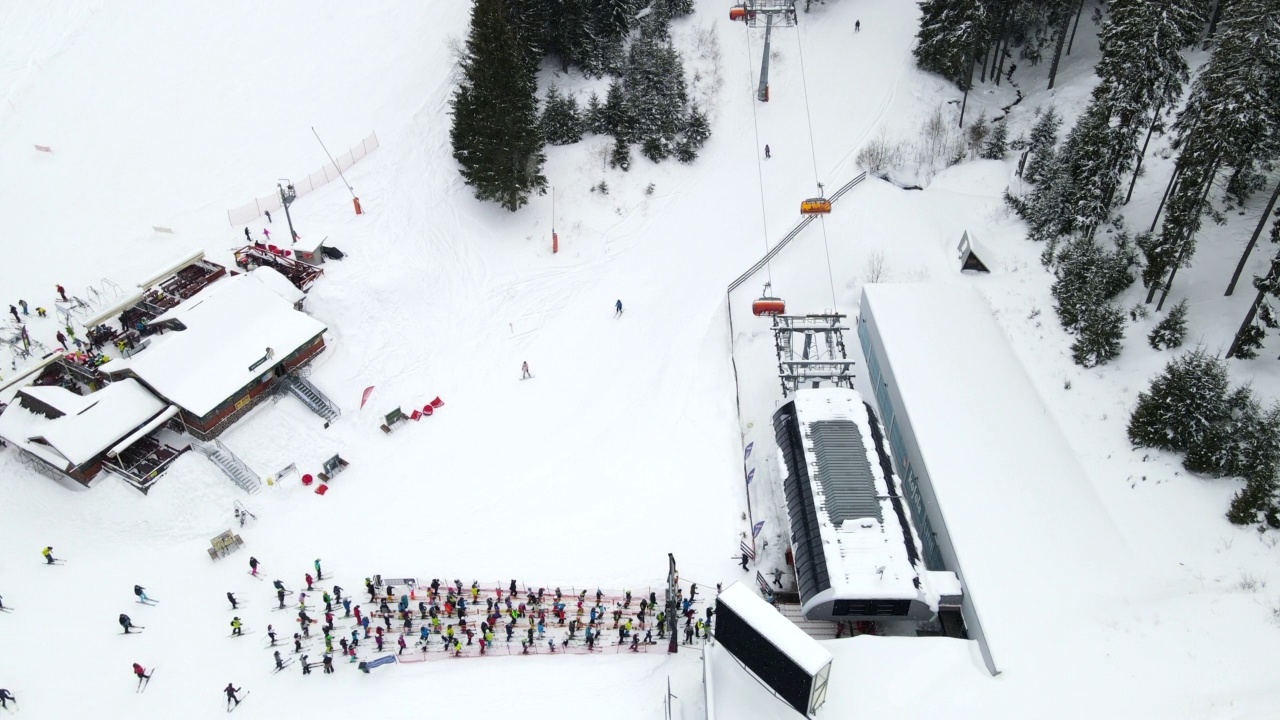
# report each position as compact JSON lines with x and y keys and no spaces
{"x":451,"y":619}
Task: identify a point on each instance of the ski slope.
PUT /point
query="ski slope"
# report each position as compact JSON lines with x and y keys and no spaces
{"x":627,"y":443}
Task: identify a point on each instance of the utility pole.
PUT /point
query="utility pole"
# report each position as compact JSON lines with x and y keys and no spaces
{"x":673,"y":625}
{"x":287,"y":196}
{"x":750,"y":12}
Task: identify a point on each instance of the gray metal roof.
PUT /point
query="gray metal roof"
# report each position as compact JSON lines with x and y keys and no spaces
{"x":843,"y":471}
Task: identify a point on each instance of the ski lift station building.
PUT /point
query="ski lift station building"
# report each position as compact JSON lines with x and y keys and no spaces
{"x":856,"y":554}
{"x":994,"y":489}
{"x":221,"y":350}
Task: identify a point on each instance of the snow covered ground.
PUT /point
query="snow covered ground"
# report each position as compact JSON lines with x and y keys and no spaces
{"x":626,"y":445}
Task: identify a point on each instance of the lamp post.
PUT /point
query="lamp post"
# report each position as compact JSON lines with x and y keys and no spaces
{"x":287,"y":196}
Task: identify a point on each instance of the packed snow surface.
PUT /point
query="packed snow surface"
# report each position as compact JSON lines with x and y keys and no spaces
{"x":628,"y":442}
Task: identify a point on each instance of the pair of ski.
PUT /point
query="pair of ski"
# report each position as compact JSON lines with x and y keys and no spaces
{"x":139,"y":628}
{"x":148,"y":601}
{"x":6,"y":609}
{"x":231,"y":707}
{"x":242,"y":633}
{"x":144,"y":681}
{"x":55,"y":562}
{"x":284,"y":665}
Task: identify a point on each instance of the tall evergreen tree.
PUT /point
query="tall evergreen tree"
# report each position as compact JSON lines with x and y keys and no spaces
{"x":1098,"y":336}
{"x":1044,"y":141}
{"x":561,"y":121}
{"x":568,"y":36}
{"x":614,"y":18}
{"x":656,"y":93}
{"x":495,"y":133}
{"x":949,"y":35}
{"x":1184,"y":403}
{"x":1231,"y":121}
{"x":996,"y":144}
{"x":1142,"y":72}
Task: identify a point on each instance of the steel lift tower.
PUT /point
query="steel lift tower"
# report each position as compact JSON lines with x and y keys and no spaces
{"x":781,"y":12}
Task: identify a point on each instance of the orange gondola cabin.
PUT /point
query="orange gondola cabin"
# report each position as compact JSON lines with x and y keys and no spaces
{"x":815,"y":206}
{"x":739,"y":12}
{"x":768,"y":305}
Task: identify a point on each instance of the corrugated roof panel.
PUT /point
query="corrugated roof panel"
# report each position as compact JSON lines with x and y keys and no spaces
{"x":844,"y":471}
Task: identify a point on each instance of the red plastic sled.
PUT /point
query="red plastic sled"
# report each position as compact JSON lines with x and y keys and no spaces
{"x":322,"y":489}
{"x":437,"y":402}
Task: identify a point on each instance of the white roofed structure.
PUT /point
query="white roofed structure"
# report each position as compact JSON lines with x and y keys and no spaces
{"x":234,"y":335}
{"x":72,"y":432}
{"x":996,"y":492}
{"x":855,"y":551}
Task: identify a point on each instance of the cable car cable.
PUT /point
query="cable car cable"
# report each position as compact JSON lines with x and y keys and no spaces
{"x":813,"y":153}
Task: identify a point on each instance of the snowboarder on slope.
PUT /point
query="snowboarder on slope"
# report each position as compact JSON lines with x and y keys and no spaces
{"x":232,"y":597}
{"x":141,"y":594}
{"x":617,"y":309}
{"x":125,"y":623}
{"x":231,"y":691}
{"x":524,"y":368}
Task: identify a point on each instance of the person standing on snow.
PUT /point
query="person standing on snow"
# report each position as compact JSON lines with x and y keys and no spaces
{"x":235,"y":626}
{"x":62,"y":292}
{"x":231,"y":691}
{"x":268,"y":212}
{"x":280,"y":596}
{"x":309,"y":580}
{"x":745,"y":558}
{"x":23,"y":304}
{"x":5,"y":697}
{"x":266,"y":233}
{"x":141,"y":593}
{"x":271,"y":633}
{"x":247,"y":236}
{"x":253,"y":566}
{"x":617,"y":309}
{"x":232,"y":598}
{"x":141,"y":672}
{"x":62,"y":339}
{"x":125,"y":623}
{"x":857,"y":26}
{"x":767,"y":155}
{"x":524,"y":369}
{"x":14,"y":310}
{"x":319,"y":574}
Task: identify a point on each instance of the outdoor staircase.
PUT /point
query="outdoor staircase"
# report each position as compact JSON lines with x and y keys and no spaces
{"x":310,"y":395}
{"x":228,"y":463}
{"x":816,"y":629}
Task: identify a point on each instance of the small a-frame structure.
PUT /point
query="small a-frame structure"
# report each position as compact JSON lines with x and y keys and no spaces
{"x":973,"y":256}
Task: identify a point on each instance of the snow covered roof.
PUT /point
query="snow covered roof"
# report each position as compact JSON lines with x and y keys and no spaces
{"x":863,"y":542}
{"x":1021,"y":513}
{"x":89,"y":424}
{"x":229,"y":326}
{"x":804,"y":650}
{"x":277,"y":283}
